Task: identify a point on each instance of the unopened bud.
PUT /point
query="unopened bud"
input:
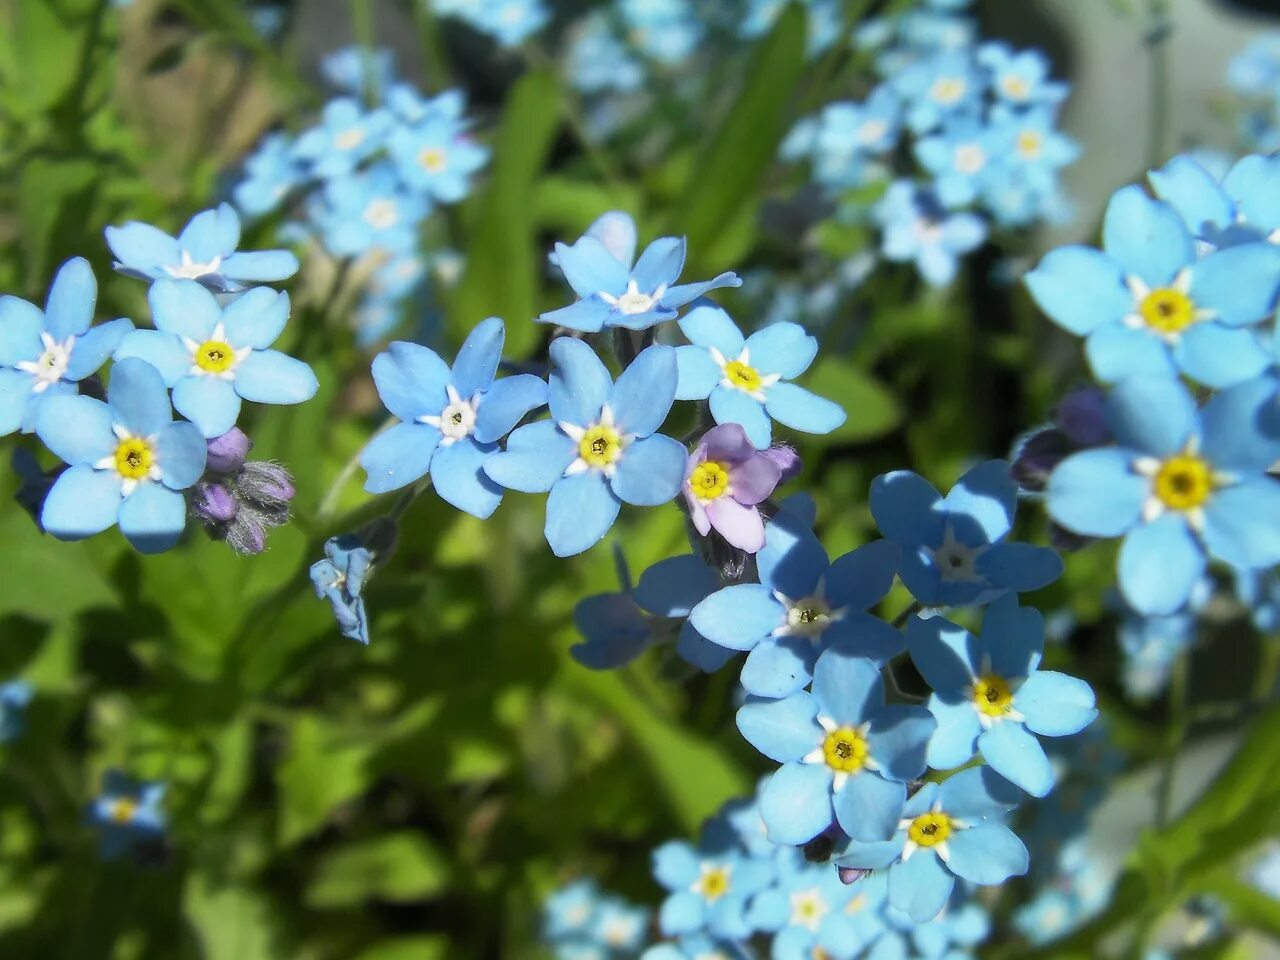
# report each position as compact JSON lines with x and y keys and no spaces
{"x":227,"y":453}
{"x":213,"y":503}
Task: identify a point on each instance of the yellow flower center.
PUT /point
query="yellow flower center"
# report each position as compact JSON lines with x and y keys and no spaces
{"x":600,"y":446}
{"x":1029,"y":143}
{"x":845,"y":750}
{"x":1015,"y":87}
{"x":1184,"y":482}
{"x":930,"y":829}
{"x":948,"y":89}
{"x":215,"y":356}
{"x":134,"y":458}
{"x":709,"y":480}
{"x":742,"y":376}
{"x":123,"y":810}
{"x":714,"y":883}
{"x":1167,"y":310}
{"x":432,"y":159}
{"x":992,"y":696}
{"x":349,"y":139}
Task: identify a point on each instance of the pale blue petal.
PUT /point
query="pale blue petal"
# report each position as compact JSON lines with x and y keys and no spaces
{"x":1219,"y":356}
{"x":506,"y":403}
{"x":778,"y":667}
{"x":211,"y":403}
{"x":269,"y":376}
{"x":590,"y":268}
{"x":617,"y":231}
{"x":138,"y":398}
{"x":1020,"y":566}
{"x":142,"y":247}
{"x":682,"y":912}
{"x":660,"y":264}
{"x":587,"y":316}
{"x":783,"y":730}
{"x":259,"y":266}
{"x":848,"y":689}
{"x":792,"y":560}
{"x":731,"y":405}
{"x":1254,"y":183}
{"x":683,"y":293}
{"x":537,"y":455}
{"x":1096,"y":493}
{"x":709,"y":326}
{"x":873,"y":855}
{"x":674,"y":586}
{"x":411,"y":380}
{"x":184,"y":307}
{"x":152,"y":517}
{"x":20,"y":326}
{"x":1015,"y":754}
{"x":457,"y":473}
{"x":783,"y":348}
{"x":180,"y":454}
{"x":946,"y":654}
{"x":907,"y":509}
{"x":869,"y":807}
{"x":1054,"y":704}
{"x":860,"y":578}
{"x":91,"y":351}
{"x":399,"y":456}
{"x":795,"y":803}
{"x":82,"y":502}
{"x":1241,"y":427}
{"x":988,"y":854}
{"x":981,"y":505}
{"x":956,"y":737}
{"x":580,"y":382}
{"x":978,"y":794}
{"x":1147,"y":237}
{"x":650,"y":471}
{"x":164,"y":351}
{"x":256,"y":318}
{"x":642,"y":397}
{"x":15,"y":391}
{"x":863,"y":635}
{"x":737,"y":616}
{"x":479,"y":356}
{"x":1194,"y":193}
{"x":921,"y":886}
{"x":1238,"y":283}
{"x":1012,"y":637}
{"x":211,"y":233}
{"x":69,"y":309}
{"x":76,"y":429}
{"x":675,"y":865}
{"x":580,"y":511}
{"x":696,"y":649}
{"x":698,"y":373}
{"x":899,"y":740}
{"x":1117,"y":352}
{"x":797,"y":408}
{"x":1080,"y":289}
{"x":1235,"y":530}
{"x":1159,"y":564}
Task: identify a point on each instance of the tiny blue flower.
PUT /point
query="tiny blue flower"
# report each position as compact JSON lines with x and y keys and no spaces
{"x":270,"y":172}
{"x":598,"y":61}
{"x":46,"y":353}
{"x":667,"y":31}
{"x":213,"y":357}
{"x":938,"y":87}
{"x":1021,"y":77}
{"x":747,"y":380}
{"x":601,"y":448}
{"x":14,"y":698}
{"x":954,"y":551}
{"x":845,"y":755}
{"x":345,"y":137}
{"x":946,"y":831}
{"x":697,"y":947}
{"x":709,"y":889}
{"x":959,"y":157}
{"x":127,"y":813}
{"x":339,"y":578}
{"x":1032,"y":145}
{"x":127,"y":461}
{"x":569,"y":912}
{"x":1180,"y":483}
{"x":1240,"y":206}
{"x":205,"y":250}
{"x":991,"y":697}
{"x":451,"y":419}
{"x":367,"y":210}
{"x":917,"y":229}
{"x":620,"y":926}
{"x":437,"y":156}
{"x":617,"y":293}
{"x":347,"y":68}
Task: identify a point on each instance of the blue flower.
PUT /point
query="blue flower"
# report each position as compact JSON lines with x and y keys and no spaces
{"x":614,"y":291}
{"x":368,"y":210}
{"x":213,"y":357}
{"x":812,"y":913}
{"x":844,"y":754}
{"x":205,"y":250}
{"x":1032,"y":147}
{"x":1147,"y":305}
{"x":1150,"y":646}
{"x":127,"y":461}
{"x":14,"y":697}
{"x":670,"y":589}
{"x":946,"y":831}
{"x":451,"y":419}
{"x":437,"y":156}
{"x":802,"y":605}
{"x":339,"y":578}
{"x":1181,"y":483}
{"x":127,"y":813}
{"x":620,"y":926}
{"x":270,"y":172}
{"x":1020,"y":77}
{"x":916,"y":229}
{"x":747,"y":380}
{"x":1241,"y":206}
{"x":346,"y":69}
{"x":938,"y":87}
{"x":953,"y":550}
{"x":47,"y":353}
{"x":598,"y":61}
{"x":709,"y":889}
{"x":960,"y":159}
{"x":697,"y":947}
{"x":600,"y":448}
{"x":345,"y":137}
{"x":667,"y":31}
{"x":991,"y":697}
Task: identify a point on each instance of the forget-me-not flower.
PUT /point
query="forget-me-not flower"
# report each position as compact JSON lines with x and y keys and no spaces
{"x":367,"y":210}
{"x":709,"y":888}
{"x":917,"y":229}
{"x":1240,"y":206}
{"x":14,"y":698}
{"x":600,"y":448}
{"x":726,"y":480}
{"x":205,"y":250}
{"x":437,"y":156}
{"x":345,"y":136}
{"x":270,"y":172}
{"x":212,"y":357}
{"x":748,"y":380}
{"x":127,"y":813}
{"x":127,"y":461}
{"x":1180,"y":483}
{"x":46,"y":353}
{"x":1020,"y":77}
{"x":845,"y":755}
{"x":451,"y":418}
{"x":617,"y":292}
{"x":339,"y":578}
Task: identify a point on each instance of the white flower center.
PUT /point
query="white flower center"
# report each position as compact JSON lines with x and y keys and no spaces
{"x":872,"y":131}
{"x":188,"y":269}
{"x":970,"y":158}
{"x":382,"y":214}
{"x":808,"y":616}
{"x":634,"y":302}
{"x":51,"y":365}
{"x":349,"y":138}
{"x":957,"y":562}
{"x":457,"y":420}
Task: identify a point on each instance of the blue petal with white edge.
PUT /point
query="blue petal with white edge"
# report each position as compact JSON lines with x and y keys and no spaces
{"x":580,"y":511}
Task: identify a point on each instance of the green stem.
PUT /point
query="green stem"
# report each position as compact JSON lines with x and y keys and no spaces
{"x":362,"y":27}
{"x":435,"y":60}
{"x":1179,"y":684}
{"x":329,"y":502}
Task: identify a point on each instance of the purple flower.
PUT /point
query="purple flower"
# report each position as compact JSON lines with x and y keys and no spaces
{"x":725,"y":479}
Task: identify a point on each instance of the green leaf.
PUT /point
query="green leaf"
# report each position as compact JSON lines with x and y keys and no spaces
{"x":872,"y":409}
{"x":398,"y":867}
{"x":503,"y":267}
{"x":54,"y":581}
{"x":231,"y":922}
{"x":317,"y":775}
{"x":409,"y":948}
{"x":729,"y":173}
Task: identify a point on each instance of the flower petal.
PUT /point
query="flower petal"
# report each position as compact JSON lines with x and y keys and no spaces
{"x":868,"y":807}
{"x":921,"y":886}
{"x":479,"y":356}
{"x":1159,"y":564}
{"x":77,"y":429}
{"x":91,"y":351}
{"x":580,"y":383}
{"x":698,"y":373}
{"x":153,"y":517}
{"x":269,"y":376}
{"x":778,"y":667}
{"x":69,"y":309}
{"x":863,"y":576}
{"x":797,"y":408}
{"x":211,"y":233}
{"x":650,"y":471}
{"x":980,"y":507}
{"x":1080,"y":289}
{"x":988,"y":854}
{"x":211,"y":403}
{"x":848,"y":689}
{"x":184,"y":307}
{"x":907,"y":509}
{"x":1192,"y":191}
{"x":256,"y":317}
{"x":180,"y":452}
{"x":731,"y":405}
{"x":1015,"y":754}
{"x":1117,"y":352}
{"x":590,"y":268}
{"x":142,"y":247}
{"x":20,"y":326}
{"x":260,"y":266}
{"x":458,"y":476}
{"x":505,"y":403}
{"x":946,"y":654}
{"x":1054,"y":704}
{"x":1219,"y":356}
{"x":709,"y":326}
{"x":737,"y":616}
{"x":795,"y":803}
{"x":955,"y":738}
{"x":642,"y":397}
{"x":82,"y":502}
{"x":537,"y":455}
{"x":1147,"y":237}
{"x":1234,"y":531}
{"x":399,"y":456}
{"x":580,"y":511}
{"x":660,"y":264}
{"x":411,"y":380}
{"x":1238,"y":283}
{"x":782,"y":730}
{"x":783,"y":348}
{"x":164,"y":351}
{"x":1096,"y":493}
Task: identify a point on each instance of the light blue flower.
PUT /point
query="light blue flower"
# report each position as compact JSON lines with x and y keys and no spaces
{"x":709,"y":889}
{"x":213,"y":357}
{"x":916,"y":229}
{"x":1241,"y":206}
{"x":697,"y":947}
{"x":667,"y":31}
{"x":451,"y":419}
{"x":825,"y":19}
{"x":46,"y":353}
{"x":345,"y":136}
{"x":990,"y":696}
{"x":1020,"y":77}
{"x":614,"y":291}
{"x":205,"y":250}
{"x":601,"y":448}
{"x":1148,"y":306}
{"x":368,"y":210}
{"x":946,"y":831}
{"x":747,"y":380}
{"x":14,"y":698}
{"x":802,"y":605}
{"x":954,"y":551}
{"x":598,"y":61}
{"x":339,"y":578}
{"x":620,"y":927}
{"x":127,"y":813}
{"x":938,"y":87}
{"x":1031,"y":144}
{"x":845,"y":755}
{"x":437,"y":156}
{"x":960,"y":158}
{"x":1255,"y":71}
{"x":270,"y":172}
{"x":1181,"y":484}
{"x":127,"y":461}
{"x":347,"y":68}
{"x":508,"y":22}
{"x":1150,"y":646}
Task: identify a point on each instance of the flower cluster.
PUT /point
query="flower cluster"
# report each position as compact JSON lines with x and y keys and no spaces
{"x":582,"y":923}
{"x":128,"y":462}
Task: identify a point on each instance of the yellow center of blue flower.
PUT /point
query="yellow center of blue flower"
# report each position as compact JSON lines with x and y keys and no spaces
{"x":992,"y":696}
{"x":600,"y":446}
{"x":709,"y":480}
{"x":930,"y":829}
{"x":1029,"y":142}
{"x":1167,"y":310}
{"x":742,"y":376}
{"x":215,"y":356}
{"x":845,"y":750}
{"x":1184,"y":482}
{"x":432,"y":159}
{"x":714,"y":883}
{"x":123,"y":810}
{"x":134,"y":458}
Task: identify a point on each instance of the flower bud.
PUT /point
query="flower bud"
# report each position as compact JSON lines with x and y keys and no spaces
{"x":227,"y":453}
{"x":213,"y":503}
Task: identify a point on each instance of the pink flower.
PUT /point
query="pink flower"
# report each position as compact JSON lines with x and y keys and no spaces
{"x":725,"y":480}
